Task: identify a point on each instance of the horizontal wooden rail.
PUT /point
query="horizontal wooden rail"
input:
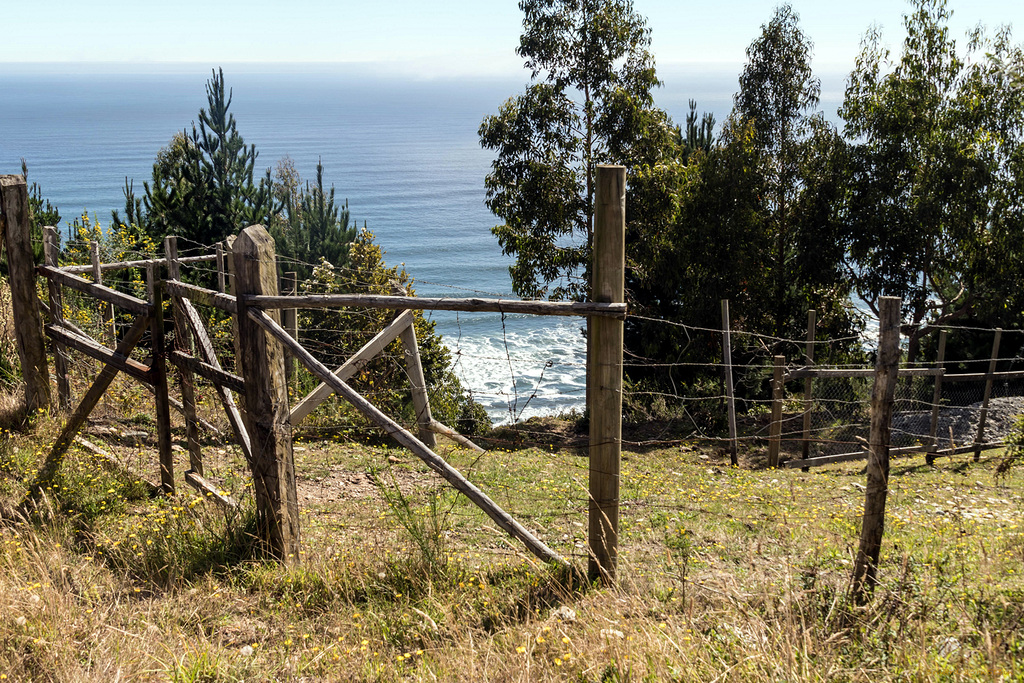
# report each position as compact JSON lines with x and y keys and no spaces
{"x":562,"y":308}
{"x":196,"y":481}
{"x":203,"y":296}
{"x":89,"y":347}
{"x":214,"y":374}
{"x":106,"y":294}
{"x":445,"y":430}
{"x":862,"y":455}
{"x":837,"y":373}
{"x":119,"y":265}
{"x":984,"y":376}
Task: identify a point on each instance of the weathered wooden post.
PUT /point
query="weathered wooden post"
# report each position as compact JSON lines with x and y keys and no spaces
{"x":730,"y":396}
{"x":291,"y":320}
{"x":775,"y":428}
{"x":182,"y":342}
{"x":989,"y":378}
{"x":805,"y":447}
{"x":933,"y":427}
{"x":159,"y":375}
{"x":51,"y":250}
{"x":28,"y":320}
{"x":604,"y":372}
{"x":261,"y":362}
{"x":882,"y":397}
{"x":106,"y":309}
{"x":222,"y":275}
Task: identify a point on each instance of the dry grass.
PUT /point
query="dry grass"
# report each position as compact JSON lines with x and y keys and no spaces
{"x":725,"y":574}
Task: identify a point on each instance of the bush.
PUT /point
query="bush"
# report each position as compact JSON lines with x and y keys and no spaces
{"x":334,"y":335}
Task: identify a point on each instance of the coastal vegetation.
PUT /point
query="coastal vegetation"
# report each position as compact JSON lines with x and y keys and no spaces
{"x":918,"y":196}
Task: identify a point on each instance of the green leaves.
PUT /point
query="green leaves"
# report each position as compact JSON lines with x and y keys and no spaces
{"x":590,"y":103}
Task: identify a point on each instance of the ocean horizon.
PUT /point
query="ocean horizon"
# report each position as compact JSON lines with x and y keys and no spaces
{"x":402,"y":151}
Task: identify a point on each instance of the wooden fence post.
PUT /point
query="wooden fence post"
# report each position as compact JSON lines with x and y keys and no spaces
{"x":882,"y":397}
{"x":775,"y":428}
{"x":805,"y":446}
{"x":933,"y":428}
{"x":106,"y":309}
{"x":182,"y":343}
{"x":290,"y":317}
{"x":28,"y":320}
{"x":221,"y":269}
{"x":159,"y":374}
{"x":51,"y":250}
{"x":604,"y":373}
{"x":261,"y":362}
{"x":988,"y":395}
{"x":730,"y":396}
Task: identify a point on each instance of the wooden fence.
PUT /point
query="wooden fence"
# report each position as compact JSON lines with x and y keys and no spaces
{"x":783,"y":373}
{"x":266,"y":345}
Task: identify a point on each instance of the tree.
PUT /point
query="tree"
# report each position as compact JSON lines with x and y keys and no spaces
{"x":934,"y":205}
{"x":311,"y":227}
{"x":203,"y":186}
{"x":590,"y":102}
{"x":777,"y":97}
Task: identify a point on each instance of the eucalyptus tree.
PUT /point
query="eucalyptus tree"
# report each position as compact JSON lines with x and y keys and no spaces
{"x":589,"y":102}
{"x":935,"y":190}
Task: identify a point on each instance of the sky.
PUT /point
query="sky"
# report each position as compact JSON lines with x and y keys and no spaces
{"x":422,"y":38}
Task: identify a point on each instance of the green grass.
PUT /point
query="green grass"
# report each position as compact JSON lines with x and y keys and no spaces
{"x":725,"y":573}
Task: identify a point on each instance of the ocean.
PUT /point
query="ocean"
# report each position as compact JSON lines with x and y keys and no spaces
{"x":403,"y":152}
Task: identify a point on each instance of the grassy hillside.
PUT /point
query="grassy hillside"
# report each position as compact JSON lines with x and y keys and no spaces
{"x":726,"y":574}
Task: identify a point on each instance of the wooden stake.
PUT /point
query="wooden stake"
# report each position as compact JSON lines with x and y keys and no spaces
{"x":775,"y":428}
{"x":51,"y":249}
{"x":28,"y":322}
{"x":980,"y":439}
{"x":221,"y":269}
{"x":882,"y":398}
{"x":106,"y":309}
{"x":261,"y":361}
{"x":604,"y":373}
{"x":805,"y":450}
{"x":730,"y":396}
{"x":182,"y":342}
{"x":290,"y":317}
{"x":158,"y":371}
{"x":420,"y":399}
{"x":933,"y":428}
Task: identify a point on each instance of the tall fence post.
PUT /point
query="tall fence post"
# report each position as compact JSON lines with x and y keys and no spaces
{"x":730,"y":396}
{"x":51,"y":251}
{"x":159,"y":374}
{"x":186,"y":380}
{"x":261,"y":360}
{"x":882,"y":398}
{"x":290,"y":318}
{"x":933,"y":427}
{"x":989,"y":379}
{"x":28,"y":319}
{"x":775,"y":428}
{"x":604,"y":373}
{"x":805,"y":446}
{"x":106,"y":309}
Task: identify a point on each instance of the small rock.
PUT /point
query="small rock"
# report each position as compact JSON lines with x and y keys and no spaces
{"x":393,"y":460}
{"x":566,"y":614}
{"x":177,"y":449}
{"x":609,"y":633}
{"x":20,"y":621}
{"x":948,"y":646}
